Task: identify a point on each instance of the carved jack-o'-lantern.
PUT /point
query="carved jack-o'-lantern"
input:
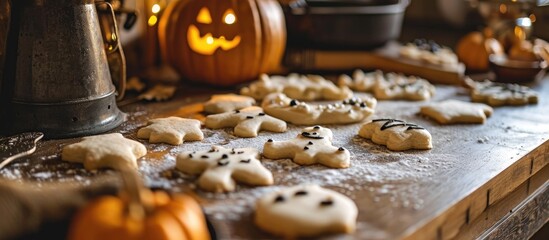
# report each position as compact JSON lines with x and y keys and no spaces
{"x":223,"y":42}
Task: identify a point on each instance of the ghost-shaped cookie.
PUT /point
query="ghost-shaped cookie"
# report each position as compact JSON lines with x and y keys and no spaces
{"x":104,"y":151}
{"x":247,"y":122}
{"x":396,"y":134}
{"x":305,"y":211}
{"x":171,"y":130}
{"x":360,"y":81}
{"x":395,"y":86}
{"x":313,"y":145}
{"x":301,"y":87}
{"x":220,"y":167}
{"x":300,"y":113}
{"x":500,"y":94}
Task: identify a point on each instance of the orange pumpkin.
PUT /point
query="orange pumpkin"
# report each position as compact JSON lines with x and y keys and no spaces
{"x":223,"y":42}
{"x":141,"y":215}
{"x":474,"y":48}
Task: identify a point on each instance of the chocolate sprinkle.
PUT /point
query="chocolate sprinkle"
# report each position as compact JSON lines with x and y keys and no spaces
{"x":224,"y":156}
{"x":249,"y":117}
{"x":308,"y":135}
{"x":326,"y":203}
{"x":223,"y":163}
{"x":362,"y":105}
{"x":190,"y":155}
{"x":240,"y":152}
{"x":270,"y":140}
{"x":310,"y":143}
{"x":341,"y":149}
{"x":245,"y":161}
{"x":305,"y":148}
{"x":316,"y":127}
{"x":279,"y":198}
{"x":204,"y":156}
{"x":300,"y":193}
{"x":237,"y":111}
{"x":293,"y":103}
{"x":261,"y":114}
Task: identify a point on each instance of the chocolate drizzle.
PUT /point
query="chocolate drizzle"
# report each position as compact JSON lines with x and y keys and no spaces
{"x":389,"y":123}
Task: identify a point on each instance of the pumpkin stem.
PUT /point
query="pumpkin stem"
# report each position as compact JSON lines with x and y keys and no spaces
{"x":138,"y":196}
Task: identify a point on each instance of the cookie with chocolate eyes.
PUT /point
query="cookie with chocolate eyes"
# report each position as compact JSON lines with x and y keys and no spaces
{"x":498,"y":94}
{"x":312,"y":145}
{"x":350,"y":110}
{"x":305,"y":211}
{"x":247,"y":122}
{"x":220,"y":167}
{"x":397,"y":135}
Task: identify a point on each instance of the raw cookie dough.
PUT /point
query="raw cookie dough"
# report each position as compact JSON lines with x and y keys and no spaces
{"x":107,"y":150}
{"x":293,"y":111}
{"x":220,"y":167}
{"x":397,"y":135}
{"x":221,"y":103}
{"x":455,"y":111}
{"x":247,"y":122}
{"x":499,"y":94}
{"x":171,"y":130}
{"x":305,"y":211}
{"x":301,"y":87}
{"x":312,"y":145}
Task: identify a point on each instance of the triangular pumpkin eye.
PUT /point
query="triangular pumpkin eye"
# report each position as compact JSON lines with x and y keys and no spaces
{"x":229,"y":17}
{"x":204,"y":16}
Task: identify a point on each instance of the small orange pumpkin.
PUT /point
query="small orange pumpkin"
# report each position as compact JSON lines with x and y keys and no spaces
{"x":146,"y":215}
{"x":474,"y":48}
{"x":223,"y":42}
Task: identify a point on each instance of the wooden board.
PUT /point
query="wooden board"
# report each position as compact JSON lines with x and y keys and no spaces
{"x":386,"y":58}
{"x":400,"y":195}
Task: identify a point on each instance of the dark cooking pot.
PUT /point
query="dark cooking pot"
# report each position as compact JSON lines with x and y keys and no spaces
{"x":343,"y":24}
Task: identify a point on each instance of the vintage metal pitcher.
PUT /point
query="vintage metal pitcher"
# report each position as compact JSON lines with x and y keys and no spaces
{"x":55,"y":76}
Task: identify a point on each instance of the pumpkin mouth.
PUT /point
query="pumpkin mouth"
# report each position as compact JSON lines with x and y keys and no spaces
{"x":208,"y":44}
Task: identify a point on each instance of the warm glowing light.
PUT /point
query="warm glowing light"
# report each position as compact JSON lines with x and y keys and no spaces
{"x":519,"y":33}
{"x":524,"y":22}
{"x":204,"y":16}
{"x":207,"y":45}
{"x":155,"y":8}
{"x":229,"y":17}
{"x":532,"y":18}
{"x":503,"y":8}
{"x":152,"y":20}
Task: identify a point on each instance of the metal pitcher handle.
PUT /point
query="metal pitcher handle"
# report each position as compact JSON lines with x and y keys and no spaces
{"x":109,"y":30}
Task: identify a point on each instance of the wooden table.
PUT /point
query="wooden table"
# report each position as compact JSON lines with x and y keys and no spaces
{"x":486,"y":179}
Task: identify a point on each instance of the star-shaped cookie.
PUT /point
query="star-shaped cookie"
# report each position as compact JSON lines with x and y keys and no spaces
{"x":455,"y":111}
{"x":220,"y":167}
{"x":104,"y":151}
{"x":247,"y":122}
{"x":312,"y":145}
{"x":171,"y":130}
{"x":221,"y":103}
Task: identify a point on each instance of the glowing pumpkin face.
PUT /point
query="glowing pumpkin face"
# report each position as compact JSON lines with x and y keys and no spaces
{"x":208,"y":43}
{"x":223,"y":42}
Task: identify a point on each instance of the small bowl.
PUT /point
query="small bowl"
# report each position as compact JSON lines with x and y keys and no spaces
{"x":516,"y":71}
